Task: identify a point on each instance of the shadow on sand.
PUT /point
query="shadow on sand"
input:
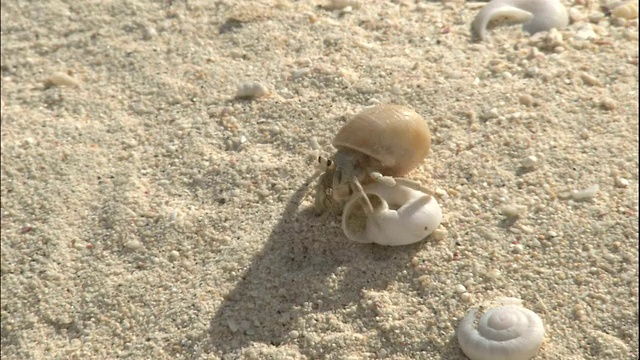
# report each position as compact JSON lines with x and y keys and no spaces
{"x":306,"y":266}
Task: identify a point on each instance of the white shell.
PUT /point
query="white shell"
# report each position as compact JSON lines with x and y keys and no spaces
{"x":507,"y":332}
{"x":534,"y":15}
{"x":401,"y":216}
{"x":251,"y":90}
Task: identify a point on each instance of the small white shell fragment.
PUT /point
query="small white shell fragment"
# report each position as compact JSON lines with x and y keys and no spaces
{"x":584,"y":134}
{"x":490,"y":114}
{"x":506,"y":331}
{"x":622,"y":182}
{"x":61,"y":79}
{"x":174,"y":255}
{"x":401,"y":216}
{"x":440,"y":233}
{"x":553,"y":38}
{"x":596,"y":16}
{"x":585,"y":32}
{"x":466,"y":297}
{"x":585,"y":194}
{"x":346,"y":10}
{"x":173,"y":216}
{"x":513,"y":211}
{"x":590,"y":80}
{"x":608,"y":103}
{"x":251,"y":90}
{"x":342,"y":4}
{"x":534,"y":15}
{"x":527,"y":100}
{"x":133,"y":244}
{"x":149,"y":33}
{"x":529,"y":162}
{"x":576,"y":15}
{"x":442,"y":193}
{"x":300,"y":73}
{"x":518,"y":248}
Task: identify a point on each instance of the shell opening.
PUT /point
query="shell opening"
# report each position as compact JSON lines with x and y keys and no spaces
{"x":356,"y":222}
{"x":399,"y":216}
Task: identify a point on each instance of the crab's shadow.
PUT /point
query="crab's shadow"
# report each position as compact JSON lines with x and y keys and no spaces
{"x":306,"y":266}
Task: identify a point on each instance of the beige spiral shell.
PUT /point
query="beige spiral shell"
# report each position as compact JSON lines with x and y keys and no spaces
{"x":394,"y":135}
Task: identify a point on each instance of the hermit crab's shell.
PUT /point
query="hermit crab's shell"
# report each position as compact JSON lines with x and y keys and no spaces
{"x":395,"y":135}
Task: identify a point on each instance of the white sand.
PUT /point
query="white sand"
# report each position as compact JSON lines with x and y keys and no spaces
{"x":137,"y":221}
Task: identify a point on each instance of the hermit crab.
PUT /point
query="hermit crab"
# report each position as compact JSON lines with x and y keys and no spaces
{"x":376,"y":145}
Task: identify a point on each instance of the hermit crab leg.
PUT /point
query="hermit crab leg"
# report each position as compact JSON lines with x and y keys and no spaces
{"x":325,"y":169}
{"x":368,"y":208}
{"x":378,"y":177}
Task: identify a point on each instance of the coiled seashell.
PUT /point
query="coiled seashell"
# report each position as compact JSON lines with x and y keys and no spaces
{"x":506,"y":332}
{"x":534,"y":15}
{"x":375,"y":145}
{"x":401,"y":215}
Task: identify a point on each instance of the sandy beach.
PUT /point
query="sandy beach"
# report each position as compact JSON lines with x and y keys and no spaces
{"x":149,"y":213}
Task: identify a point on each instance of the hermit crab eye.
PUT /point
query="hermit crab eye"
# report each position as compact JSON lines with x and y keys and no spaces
{"x":327,"y":162}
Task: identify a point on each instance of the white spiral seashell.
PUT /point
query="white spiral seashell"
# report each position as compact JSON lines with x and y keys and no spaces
{"x":507,"y":332}
{"x":401,"y":215}
{"x":534,"y":15}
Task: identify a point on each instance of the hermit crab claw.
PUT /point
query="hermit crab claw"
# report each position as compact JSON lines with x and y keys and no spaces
{"x":401,"y":215}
